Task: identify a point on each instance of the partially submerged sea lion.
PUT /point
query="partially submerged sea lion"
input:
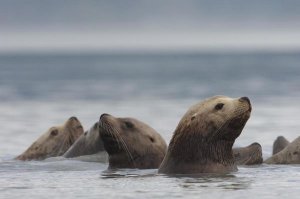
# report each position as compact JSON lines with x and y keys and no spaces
{"x":249,"y":155}
{"x":87,"y":144}
{"x":203,"y":139}
{"x":279,"y":144}
{"x":289,"y":155}
{"x":131,"y":143}
{"x":55,"y":142}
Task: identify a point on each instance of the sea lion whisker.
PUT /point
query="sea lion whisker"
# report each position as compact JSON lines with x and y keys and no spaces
{"x":110,"y":130}
{"x":121,"y":143}
{"x":116,"y":136}
{"x":126,"y":149}
{"x":217,"y":132}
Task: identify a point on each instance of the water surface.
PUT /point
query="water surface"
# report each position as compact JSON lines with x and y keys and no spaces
{"x":39,"y":91}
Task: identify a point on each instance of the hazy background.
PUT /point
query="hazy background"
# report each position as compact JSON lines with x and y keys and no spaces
{"x":146,"y":59}
{"x":86,"y":25}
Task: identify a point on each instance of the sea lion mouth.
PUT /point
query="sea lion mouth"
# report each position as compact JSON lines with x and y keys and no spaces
{"x":113,"y":142}
{"x":231,"y":129}
{"x":239,"y":121}
{"x":109,"y":140}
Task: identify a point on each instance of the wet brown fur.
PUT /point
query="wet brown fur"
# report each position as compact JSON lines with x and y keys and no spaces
{"x":55,"y":142}
{"x":203,"y":139}
{"x":289,"y":155}
{"x":279,"y":144}
{"x":250,"y":155}
{"x":131,"y":143}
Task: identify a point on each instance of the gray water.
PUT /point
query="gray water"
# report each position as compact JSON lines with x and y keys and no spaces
{"x":39,"y":91}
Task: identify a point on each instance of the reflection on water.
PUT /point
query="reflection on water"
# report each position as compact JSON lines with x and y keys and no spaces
{"x":125,"y":173}
{"x":223,"y":181}
{"x":189,"y":182}
{"x":226,"y":182}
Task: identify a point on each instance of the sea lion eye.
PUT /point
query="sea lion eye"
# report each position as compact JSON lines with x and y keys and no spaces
{"x":129,"y":124}
{"x":54,"y":132}
{"x":193,"y":117}
{"x":219,"y":106}
{"x":151,"y":139}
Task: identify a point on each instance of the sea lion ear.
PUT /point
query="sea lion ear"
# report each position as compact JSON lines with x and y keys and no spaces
{"x":54,"y":132}
{"x":193,"y":116}
{"x":151,"y":139}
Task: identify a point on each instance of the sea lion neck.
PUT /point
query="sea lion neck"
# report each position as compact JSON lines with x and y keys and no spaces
{"x":195,"y":148}
{"x":121,"y":160}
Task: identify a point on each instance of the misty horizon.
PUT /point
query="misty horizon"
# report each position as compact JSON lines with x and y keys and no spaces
{"x":34,"y":25}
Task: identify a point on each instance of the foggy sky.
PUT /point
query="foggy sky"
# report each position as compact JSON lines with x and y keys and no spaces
{"x":122,"y":24}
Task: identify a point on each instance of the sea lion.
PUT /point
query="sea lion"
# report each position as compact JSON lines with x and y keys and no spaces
{"x":55,"y":142}
{"x":203,"y":139}
{"x":289,"y":155}
{"x":279,"y":144}
{"x":87,"y":144}
{"x":249,"y":155}
{"x":131,"y":143}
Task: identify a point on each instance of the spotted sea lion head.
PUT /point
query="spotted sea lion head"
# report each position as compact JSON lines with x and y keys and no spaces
{"x":216,"y":118}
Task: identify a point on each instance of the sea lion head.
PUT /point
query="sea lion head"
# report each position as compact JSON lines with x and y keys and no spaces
{"x":204,"y":137}
{"x":55,"y":142}
{"x":87,"y":144}
{"x":216,"y":118}
{"x":131,"y":143}
{"x":249,"y":155}
{"x":279,"y":144}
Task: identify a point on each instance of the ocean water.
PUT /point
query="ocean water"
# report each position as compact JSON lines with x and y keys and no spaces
{"x":38,"y":91}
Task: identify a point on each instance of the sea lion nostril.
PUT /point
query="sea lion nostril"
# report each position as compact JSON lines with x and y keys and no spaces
{"x":245,"y":99}
{"x":103,"y":115}
{"x":74,"y":118}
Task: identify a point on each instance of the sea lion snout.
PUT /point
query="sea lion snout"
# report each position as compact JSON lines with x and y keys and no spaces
{"x":103,"y":115}
{"x":246,"y":99}
{"x":73,"y":118}
{"x":255,"y":144}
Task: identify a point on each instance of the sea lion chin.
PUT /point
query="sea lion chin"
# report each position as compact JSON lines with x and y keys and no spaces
{"x":203,"y":139}
{"x":131,"y":143}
